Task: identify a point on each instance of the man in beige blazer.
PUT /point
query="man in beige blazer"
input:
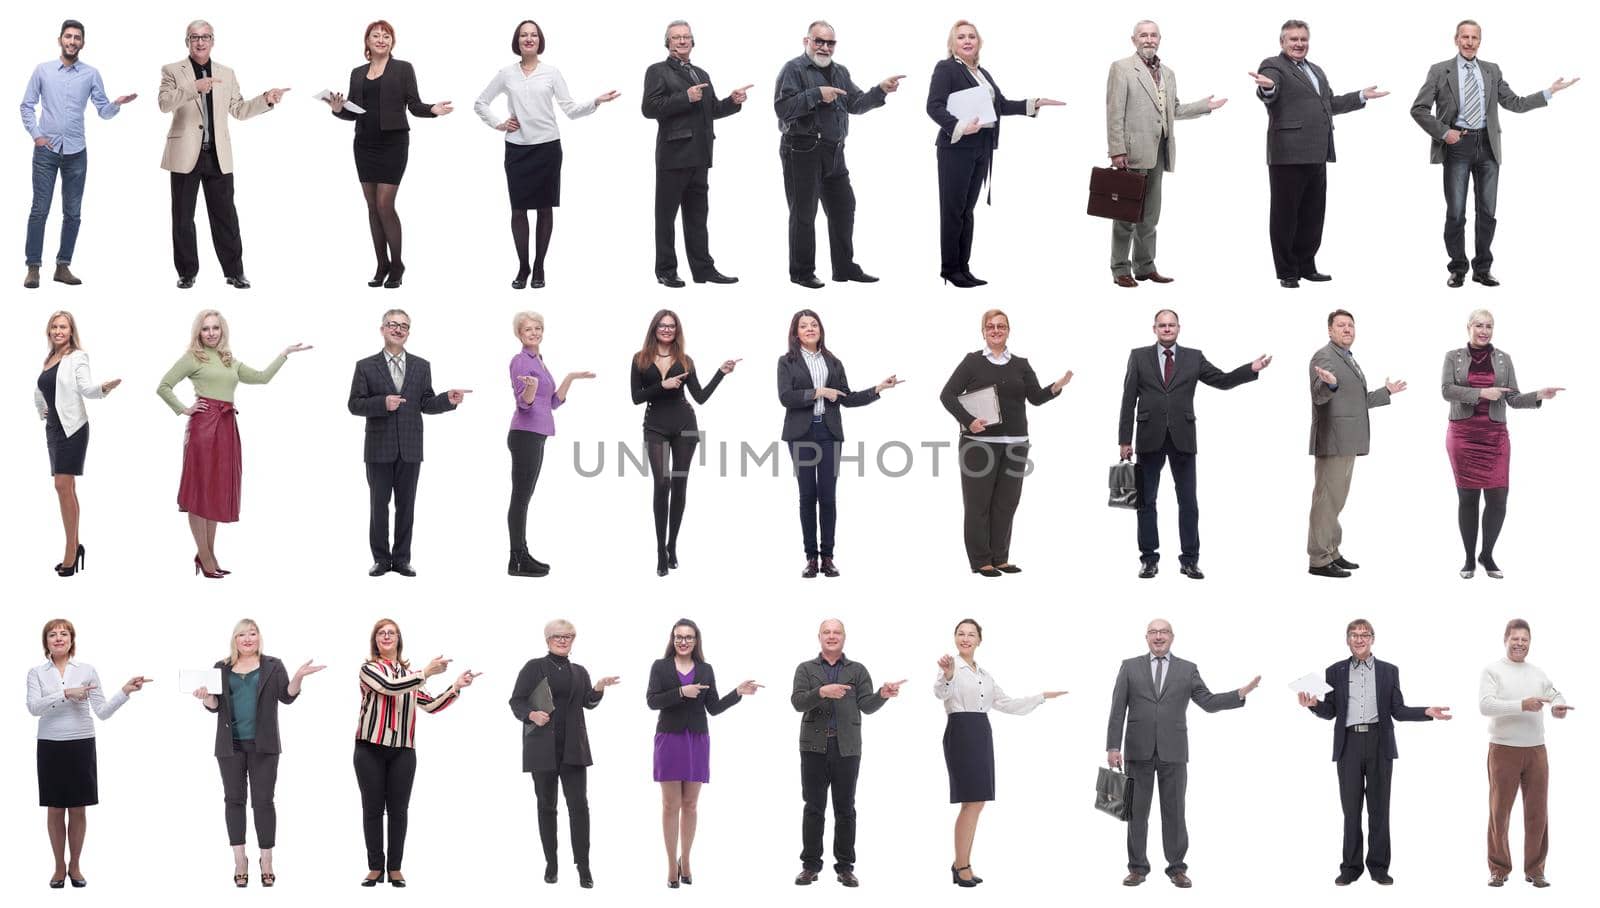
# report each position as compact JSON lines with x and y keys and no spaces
{"x":200,"y":94}
{"x":1340,"y":432}
{"x":1141,"y":107}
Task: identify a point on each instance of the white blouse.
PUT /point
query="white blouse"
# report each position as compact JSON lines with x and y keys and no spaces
{"x":61,"y":719}
{"x":973,"y":690}
{"x":73,"y":384}
{"x":532,"y":100}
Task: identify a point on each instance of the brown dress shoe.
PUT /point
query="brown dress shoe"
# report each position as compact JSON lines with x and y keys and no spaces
{"x":1155,"y":276}
{"x":1497,"y":880}
{"x":1133,"y":879}
{"x":64,"y":275}
{"x":31,"y":282}
{"x":1539,"y":882}
{"x":805,"y":878}
{"x":1125,"y":280}
{"x":1180,"y":880}
{"x":848,"y":879}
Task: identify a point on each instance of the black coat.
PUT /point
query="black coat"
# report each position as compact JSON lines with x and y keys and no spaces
{"x":539,"y":741}
{"x":396,"y":435}
{"x":951,"y":75}
{"x":1392,"y":706}
{"x":680,"y":713}
{"x":1300,"y":117}
{"x":397,"y":93}
{"x":272,"y":688}
{"x":797,"y":393}
{"x":1159,"y":409}
{"x":684,"y":131}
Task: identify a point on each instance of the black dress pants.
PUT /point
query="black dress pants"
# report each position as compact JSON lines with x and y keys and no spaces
{"x":816,"y":469}
{"x":246,"y":770}
{"x":814,"y":171}
{"x":385,"y":775}
{"x":1183,"y":481}
{"x":207,"y":174}
{"x":1364,"y":774}
{"x":1299,"y":201}
{"x":527,"y":459}
{"x":686,"y":188}
{"x":818,"y":773}
{"x":397,"y":480}
{"x":991,"y":489}
{"x":962,"y":169}
{"x":574,"y":784}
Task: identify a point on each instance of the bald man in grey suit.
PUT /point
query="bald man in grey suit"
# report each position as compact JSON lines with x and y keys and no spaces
{"x":1340,"y":432}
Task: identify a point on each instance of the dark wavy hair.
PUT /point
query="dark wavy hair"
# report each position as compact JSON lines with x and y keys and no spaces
{"x":647,"y":353}
{"x":699,"y":654}
{"x":822,"y":337}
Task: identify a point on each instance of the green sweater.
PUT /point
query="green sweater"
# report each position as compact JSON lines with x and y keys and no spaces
{"x":211,"y":378}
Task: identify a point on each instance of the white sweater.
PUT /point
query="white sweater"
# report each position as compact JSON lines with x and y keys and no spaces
{"x":1501,"y":690}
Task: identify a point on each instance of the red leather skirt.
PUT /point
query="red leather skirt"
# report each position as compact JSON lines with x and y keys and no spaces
{"x":211,"y":464}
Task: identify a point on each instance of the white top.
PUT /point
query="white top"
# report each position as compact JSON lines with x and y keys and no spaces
{"x":817,"y":365}
{"x":61,"y":719}
{"x":532,"y":100}
{"x":1501,"y":690}
{"x":973,"y":690}
{"x":73,"y":384}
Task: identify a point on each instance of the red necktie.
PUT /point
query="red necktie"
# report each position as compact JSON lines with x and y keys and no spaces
{"x":1166,"y":369}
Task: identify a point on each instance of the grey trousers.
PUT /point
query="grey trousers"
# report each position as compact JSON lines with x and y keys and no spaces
{"x":1328,"y":492}
{"x":1171,"y":782}
{"x":1141,"y":236}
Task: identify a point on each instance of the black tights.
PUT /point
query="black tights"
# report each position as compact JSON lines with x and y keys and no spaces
{"x":527,"y":458}
{"x":541,"y":239}
{"x":671,"y":485}
{"x":1494,"y":517}
{"x":384,"y":224}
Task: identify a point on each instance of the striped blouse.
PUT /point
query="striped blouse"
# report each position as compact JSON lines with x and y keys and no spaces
{"x":390,"y":698}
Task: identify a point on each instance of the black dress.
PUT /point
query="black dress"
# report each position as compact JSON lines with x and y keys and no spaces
{"x":66,"y":451}
{"x":380,"y":153}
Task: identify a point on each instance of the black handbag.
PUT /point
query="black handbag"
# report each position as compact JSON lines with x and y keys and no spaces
{"x":1113,"y":793}
{"x":1124,"y":485}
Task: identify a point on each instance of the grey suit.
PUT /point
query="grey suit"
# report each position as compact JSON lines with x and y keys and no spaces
{"x":1340,"y":432}
{"x":1139,"y":123}
{"x":1149,"y":728}
{"x":1438,"y":109}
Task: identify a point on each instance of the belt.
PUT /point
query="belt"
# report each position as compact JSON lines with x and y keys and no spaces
{"x":831,"y":733}
{"x":1363,"y":728}
{"x":1465,"y":131}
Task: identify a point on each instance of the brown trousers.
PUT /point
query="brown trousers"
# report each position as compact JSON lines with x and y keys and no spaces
{"x":1510,"y":769}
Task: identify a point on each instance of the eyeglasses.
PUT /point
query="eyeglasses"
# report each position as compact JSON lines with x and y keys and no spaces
{"x":202,"y":39}
{"x":666,"y":327}
{"x":823,"y":42}
{"x":678,"y":639}
{"x":396,"y":326}
{"x":562,"y":638}
{"x":1360,"y":636}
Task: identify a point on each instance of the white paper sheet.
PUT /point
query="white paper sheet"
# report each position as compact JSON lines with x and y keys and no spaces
{"x":1311,"y":684}
{"x":349,"y":105}
{"x":984,"y":404}
{"x":969,"y":103}
{"x":192,"y":679}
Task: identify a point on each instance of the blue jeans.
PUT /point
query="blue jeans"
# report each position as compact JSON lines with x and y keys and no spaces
{"x":1470,"y":158}
{"x":73,"y":168}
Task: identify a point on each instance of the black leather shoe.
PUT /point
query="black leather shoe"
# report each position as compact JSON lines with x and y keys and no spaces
{"x":1008,"y":569}
{"x":828,"y":570}
{"x":848,"y":879}
{"x":550,"y":873}
{"x":378,"y":569}
{"x":371,"y":881}
{"x":715,"y":277}
{"x":987,"y":571}
{"x":1457,"y":278}
{"x":1345,"y":563}
{"x":397,"y":273}
{"x":1192,"y":571}
{"x":536,"y":279}
{"x":958,"y":278}
{"x":809,"y":282}
{"x":1382,"y":879}
{"x":860,"y":277}
{"x":810,"y":569}
{"x":670,"y":279}
{"x":185,"y":283}
{"x":661,"y":562}
{"x":517,"y":283}
{"x":1328,"y":570}
{"x":59,"y":884}
{"x":379,"y":276}
{"x":672,"y":556}
{"x":1288,"y":283}
{"x":521,"y":564}
{"x":976,"y":281}
{"x":1343,"y":880}
{"x":404,"y":569}
{"x":805,"y":877}
{"x":240,"y":282}
{"x":1316,"y":277}
{"x":1148,"y":569}
{"x":398,"y":884}
{"x":77,"y":882}
{"x":1484,"y":278}
{"x":585,"y":878}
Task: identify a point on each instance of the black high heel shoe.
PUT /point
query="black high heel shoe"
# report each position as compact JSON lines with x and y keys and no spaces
{"x":65,"y":570}
{"x":672,"y":556}
{"x":958,"y":278}
{"x":661,"y":561}
{"x":521,"y":280}
{"x":964,"y":883}
{"x":372,"y":881}
{"x":59,"y":884}
{"x":77,"y":882}
{"x":537,"y":279}
{"x":1489,"y":567}
{"x":976,"y":281}
{"x":585,"y":878}
{"x":684,"y":878}
{"x":396,"y":272}
{"x":379,"y":276}
{"x":267,"y":879}
{"x":398,"y":884}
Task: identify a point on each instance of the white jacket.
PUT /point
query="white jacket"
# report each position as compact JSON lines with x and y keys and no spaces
{"x":73,"y":384}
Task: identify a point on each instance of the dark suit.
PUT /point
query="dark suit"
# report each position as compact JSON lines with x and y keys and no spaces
{"x":1476,"y":156}
{"x":814,"y":443}
{"x":684,"y":137}
{"x":964,"y":165}
{"x":395,"y":96}
{"x":1299,"y":149}
{"x":1365,"y":761}
{"x":393,"y":447}
{"x":679,"y":713}
{"x":251,"y":766}
{"x":1164,"y":412}
{"x":557,"y":751}
{"x":1156,"y":749}
{"x":830,"y":754}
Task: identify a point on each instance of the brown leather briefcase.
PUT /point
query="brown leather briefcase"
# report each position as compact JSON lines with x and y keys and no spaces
{"x":1116,"y":194}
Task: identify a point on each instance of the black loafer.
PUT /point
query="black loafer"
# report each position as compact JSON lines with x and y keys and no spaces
{"x":1457,"y":278}
{"x":1382,"y":879}
{"x":987,"y":571}
{"x":1345,"y":563}
{"x":1148,"y":569}
{"x":378,"y":569}
{"x":404,"y":569}
{"x":185,"y":283}
{"x":1342,"y":880}
{"x":715,"y":277}
{"x":1316,"y":277}
{"x":1008,"y":569}
{"x":240,"y":282}
{"x":1328,"y":570}
{"x":1484,"y":278}
{"x":860,"y":277}
{"x":1192,"y":571}
{"x":809,"y":282}
{"x":1288,"y":283}
{"x":670,"y":279}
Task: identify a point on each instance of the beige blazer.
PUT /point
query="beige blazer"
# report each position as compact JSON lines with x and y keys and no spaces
{"x":1135,"y":123}
{"x":178,"y":97}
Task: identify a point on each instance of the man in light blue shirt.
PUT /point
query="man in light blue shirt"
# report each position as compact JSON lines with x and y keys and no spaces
{"x":60,"y":89}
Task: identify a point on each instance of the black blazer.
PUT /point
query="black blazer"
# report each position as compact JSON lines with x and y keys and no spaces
{"x":1392,"y":706}
{"x":684,"y":132}
{"x":951,"y":75}
{"x":797,"y":393}
{"x":272,"y":688}
{"x":539,"y":742}
{"x":1299,"y":117}
{"x":397,"y":435}
{"x":1161,"y":409}
{"x":680,"y":713}
{"x":1015,"y":384}
{"x":397,"y":93}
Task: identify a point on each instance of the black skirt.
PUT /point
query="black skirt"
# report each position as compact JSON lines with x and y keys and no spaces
{"x":969,"y":757}
{"x":67,"y":776}
{"x":66,"y":451}
{"x":533,"y":175}
{"x":382,"y":159}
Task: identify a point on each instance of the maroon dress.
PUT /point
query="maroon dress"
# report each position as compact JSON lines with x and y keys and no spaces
{"x":1479,"y":447}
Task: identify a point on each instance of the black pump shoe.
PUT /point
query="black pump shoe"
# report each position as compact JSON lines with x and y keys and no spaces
{"x":672,"y":556}
{"x":661,"y":562}
{"x":521,"y":280}
{"x":372,"y":881}
{"x":379,"y":276}
{"x":67,"y":570}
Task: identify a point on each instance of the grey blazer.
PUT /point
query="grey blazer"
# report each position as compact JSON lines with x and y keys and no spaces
{"x":1437,"y":106}
{"x":1156,"y":728}
{"x":1463,"y":397}
{"x":1299,"y":117}
{"x":272,"y":688}
{"x":1339,"y":424}
{"x":863,"y":699}
{"x":1135,"y":122}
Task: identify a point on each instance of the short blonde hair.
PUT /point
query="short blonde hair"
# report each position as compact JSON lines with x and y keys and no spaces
{"x":559,"y":626}
{"x":527,"y":315}
{"x":1476,"y":313}
{"x":950,"y":42}
{"x":984,"y":325}
{"x":233,"y":639}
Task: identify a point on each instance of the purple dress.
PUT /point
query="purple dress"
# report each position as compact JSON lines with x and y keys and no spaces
{"x":1479,"y":447}
{"x":683,"y":756}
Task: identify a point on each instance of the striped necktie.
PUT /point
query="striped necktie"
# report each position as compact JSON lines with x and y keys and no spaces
{"x":1472,"y":108}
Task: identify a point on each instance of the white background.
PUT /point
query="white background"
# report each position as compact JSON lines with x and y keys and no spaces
{"x":1263,"y":810}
